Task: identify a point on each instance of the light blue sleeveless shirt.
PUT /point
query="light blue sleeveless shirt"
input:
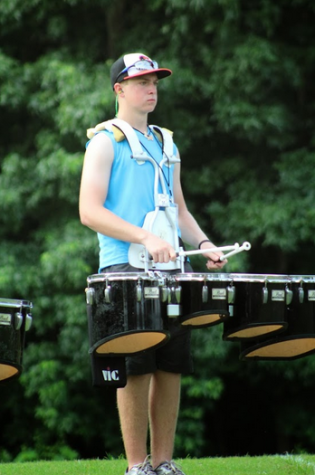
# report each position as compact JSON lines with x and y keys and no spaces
{"x":131,"y":192}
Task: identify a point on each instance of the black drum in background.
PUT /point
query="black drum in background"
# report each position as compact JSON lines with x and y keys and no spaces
{"x":126,"y":312}
{"x":299,"y":338}
{"x":259,"y":306}
{"x":202,"y":299}
{"x":15,"y":320}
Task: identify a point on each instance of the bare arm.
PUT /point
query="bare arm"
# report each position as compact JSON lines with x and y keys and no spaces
{"x":93,"y":191}
{"x":191,"y":232}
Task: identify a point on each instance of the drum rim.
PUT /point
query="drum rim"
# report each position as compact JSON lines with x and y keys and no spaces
{"x":297,"y":279}
{"x":260,"y":278}
{"x":202,"y":277}
{"x":15,"y":303}
{"x":191,"y":277}
{"x":121,"y":276}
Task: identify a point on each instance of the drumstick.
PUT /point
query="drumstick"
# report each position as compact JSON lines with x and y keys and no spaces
{"x":212,"y":249}
{"x":244,"y":247}
{"x":234,"y":250}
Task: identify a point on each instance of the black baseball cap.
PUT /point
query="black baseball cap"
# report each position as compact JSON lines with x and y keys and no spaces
{"x":133,"y":65}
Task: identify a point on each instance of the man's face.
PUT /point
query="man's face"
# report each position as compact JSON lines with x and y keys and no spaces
{"x":141,"y":92}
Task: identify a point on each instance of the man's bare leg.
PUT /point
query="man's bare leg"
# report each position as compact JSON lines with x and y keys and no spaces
{"x":163,"y":409}
{"x":132,"y":401}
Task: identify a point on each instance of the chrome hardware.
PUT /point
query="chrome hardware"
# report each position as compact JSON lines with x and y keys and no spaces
{"x":288,"y":295}
{"x":28,"y":322}
{"x":89,"y":295}
{"x":205,"y":293}
{"x":301,"y":294}
{"x":165,"y":293}
{"x":264,"y":295}
{"x":18,"y":320}
{"x":108,"y":293}
{"x":139,"y":292}
{"x":178,"y":293}
{"x":231,"y":294}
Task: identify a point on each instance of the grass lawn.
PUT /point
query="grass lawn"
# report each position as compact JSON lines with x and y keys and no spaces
{"x":266,"y":465}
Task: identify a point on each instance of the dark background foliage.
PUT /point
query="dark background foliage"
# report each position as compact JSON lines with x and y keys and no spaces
{"x":241,"y":102}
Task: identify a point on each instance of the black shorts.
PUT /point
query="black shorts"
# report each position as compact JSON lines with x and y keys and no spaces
{"x":174,"y":356}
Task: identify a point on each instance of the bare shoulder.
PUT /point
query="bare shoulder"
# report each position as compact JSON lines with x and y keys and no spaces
{"x":96,"y":170}
{"x":100,"y":148}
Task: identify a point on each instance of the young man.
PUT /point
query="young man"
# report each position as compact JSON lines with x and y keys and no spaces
{"x":117,"y":192}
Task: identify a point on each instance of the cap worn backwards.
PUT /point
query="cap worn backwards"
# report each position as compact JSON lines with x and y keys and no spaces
{"x":134,"y":65}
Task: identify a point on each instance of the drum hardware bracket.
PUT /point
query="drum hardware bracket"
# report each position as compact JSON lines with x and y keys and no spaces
{"x":151,"y":275}
{"x":265,"y":294}
{"x":28,"y":322}
{"x":165,"y":293}
{"x":178,"y":293}
{"x":231,"y":294}
{"x":138,"y":292}
{"x":288,"y":295}
{"x":89,"y":294}
{"x":165,"y":290}
{"x":108,"y":293}
{"x":158,"y":276}
{"x":205,"y":294}
{"x":231,"y":299}
{"x":18,"y":320}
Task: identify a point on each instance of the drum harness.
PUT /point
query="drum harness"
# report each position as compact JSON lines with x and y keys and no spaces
{"x":163,"y":220}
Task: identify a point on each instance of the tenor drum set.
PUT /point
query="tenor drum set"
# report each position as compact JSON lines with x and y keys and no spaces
{"x":271,"y":316}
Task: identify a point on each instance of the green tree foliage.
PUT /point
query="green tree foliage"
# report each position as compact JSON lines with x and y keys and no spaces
{"x":241,"y":103}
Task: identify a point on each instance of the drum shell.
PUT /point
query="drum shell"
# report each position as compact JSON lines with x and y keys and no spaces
{"x":204,"y":299}
{"x":298,"y":339}
{"x":12,"y":336}
{"x":259,"y":306}
{"x":301,"y":311}
{"x":126,"y":314}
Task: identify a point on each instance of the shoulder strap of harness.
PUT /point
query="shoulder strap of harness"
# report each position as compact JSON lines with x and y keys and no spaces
{"x":122,"y":130}
{"x":167,"y":142}
{"x":137,"y":151}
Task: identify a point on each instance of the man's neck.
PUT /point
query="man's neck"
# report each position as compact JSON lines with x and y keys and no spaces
{"x":137,"y":122}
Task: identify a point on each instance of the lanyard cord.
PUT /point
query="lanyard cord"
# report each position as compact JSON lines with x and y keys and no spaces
{"x":167,"y":180}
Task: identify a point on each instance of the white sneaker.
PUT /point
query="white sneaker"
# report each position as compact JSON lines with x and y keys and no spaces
{"x":144,"y":468}
{"x":168,"y":468}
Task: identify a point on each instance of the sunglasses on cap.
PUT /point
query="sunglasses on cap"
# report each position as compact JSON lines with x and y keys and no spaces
{"x":141,"y":65}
